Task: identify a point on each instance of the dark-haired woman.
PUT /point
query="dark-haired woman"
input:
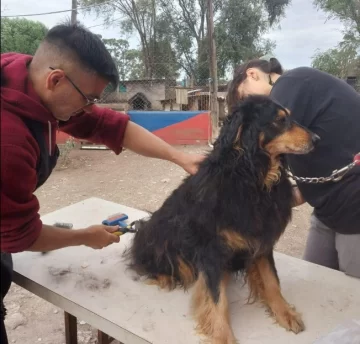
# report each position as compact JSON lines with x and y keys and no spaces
{"x":330,"y":108}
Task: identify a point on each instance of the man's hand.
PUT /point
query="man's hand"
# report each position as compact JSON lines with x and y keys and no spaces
{"x":189,"y":162}
{"x":53,"y":238}
{"x":100,"y":236}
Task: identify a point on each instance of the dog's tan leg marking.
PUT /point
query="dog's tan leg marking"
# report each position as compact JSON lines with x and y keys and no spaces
{"x":186,"y":273}
{"x":264,"y":286}
{"x":255,"y":283}
{"x":234,"y":240}
{"x":237,"y":144}
{"x":274,"y":174}
{"x":163,"y":282}
{"x":212,"y":319}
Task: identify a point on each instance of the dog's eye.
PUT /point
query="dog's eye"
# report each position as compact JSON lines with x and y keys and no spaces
{"x":281,"y":119}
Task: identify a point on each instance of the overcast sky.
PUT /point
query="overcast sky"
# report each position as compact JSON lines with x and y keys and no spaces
{"x":303,"y":30}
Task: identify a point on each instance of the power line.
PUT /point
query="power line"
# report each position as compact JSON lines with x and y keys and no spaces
{"x":104,"y":23}
{"x":36,"y":14}
{"x":54,"y":12}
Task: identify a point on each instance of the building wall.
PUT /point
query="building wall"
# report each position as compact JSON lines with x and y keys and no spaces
{"x":174,"y":127}
{"x":154,"y":92}
{"x":172,"y":107}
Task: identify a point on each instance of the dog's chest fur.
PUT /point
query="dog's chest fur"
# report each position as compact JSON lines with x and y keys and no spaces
{"x":268,"y":220}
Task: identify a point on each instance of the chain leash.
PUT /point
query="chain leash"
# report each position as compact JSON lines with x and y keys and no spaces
{"x":335,"y":176}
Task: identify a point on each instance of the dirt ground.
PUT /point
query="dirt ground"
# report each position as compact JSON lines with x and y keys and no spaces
{"x":128,"y":179}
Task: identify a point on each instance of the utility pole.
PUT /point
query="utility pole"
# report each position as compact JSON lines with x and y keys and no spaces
{"x":213,"y":72}
{"x":73,"y":11}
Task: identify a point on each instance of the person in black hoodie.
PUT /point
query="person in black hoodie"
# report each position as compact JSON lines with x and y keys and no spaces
{"x":330,"y":108}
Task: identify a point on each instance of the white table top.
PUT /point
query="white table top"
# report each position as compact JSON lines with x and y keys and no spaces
{"x":95,"y":286}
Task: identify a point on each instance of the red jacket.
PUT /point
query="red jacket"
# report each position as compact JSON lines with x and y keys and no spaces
{"x":20,"y":220}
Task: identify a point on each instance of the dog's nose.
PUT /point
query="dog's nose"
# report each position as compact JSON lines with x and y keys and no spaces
{"x":315,"y":139}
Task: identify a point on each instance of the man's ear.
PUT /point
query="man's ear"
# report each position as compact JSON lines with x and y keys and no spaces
{"x":53,"y":79}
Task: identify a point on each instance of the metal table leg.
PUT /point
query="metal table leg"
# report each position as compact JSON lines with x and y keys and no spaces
{"x":70,"y":329}
{"x":103,"y":338}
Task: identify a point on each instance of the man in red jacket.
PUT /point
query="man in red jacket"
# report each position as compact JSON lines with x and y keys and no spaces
{"x":58,"y":89}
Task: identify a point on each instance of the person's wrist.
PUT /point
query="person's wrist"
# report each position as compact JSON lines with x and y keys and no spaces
{"x":297,"y":196}
{"x":178,"y":157}
{"x":81,"y":237}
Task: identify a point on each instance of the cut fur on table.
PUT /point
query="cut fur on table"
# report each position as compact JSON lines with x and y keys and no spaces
{"x":227,"y":218}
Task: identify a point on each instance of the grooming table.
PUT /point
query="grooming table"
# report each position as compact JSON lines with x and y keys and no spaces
{"x":95,"y":286}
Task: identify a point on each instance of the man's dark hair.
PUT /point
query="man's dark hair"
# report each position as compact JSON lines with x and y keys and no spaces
{"x":87,"y":47}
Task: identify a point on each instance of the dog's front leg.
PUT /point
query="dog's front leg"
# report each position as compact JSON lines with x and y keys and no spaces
{"x":210,"y":307}
{"x":264,"y":285}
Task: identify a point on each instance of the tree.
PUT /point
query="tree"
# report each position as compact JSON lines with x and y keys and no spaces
{"x":118,"y":49}
{"x":239,"y":26}
{"x":21,"y":35}
{"x":138,"y":16}
{"x":135,"y":65}
{"x":348,"y":11}
{"x":128,"y":61}
{"x":341,"y":61}
{"x":345,"y":58}
{"x":187,"y":30}
{"x":173,"y":33}
{"x":237,"y":39}
{"x":165,"y":60}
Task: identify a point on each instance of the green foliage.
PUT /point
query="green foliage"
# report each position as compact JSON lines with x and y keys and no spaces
{"x":344,"y":60}
{"x":118,"y":49}
{"x":348,"y":11}
{"x":275,"y":9}
{"x":186,"y":20}
{"x":21,"y":35}
{"x":173,"y":34}
{"x":128,"y":61}
{"x":237,"y":39}
{"x":141,"y":16}
{"x":341,"y":61}
{"x":136,"y":68}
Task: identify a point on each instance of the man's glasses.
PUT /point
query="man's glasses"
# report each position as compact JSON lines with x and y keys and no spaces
{"x":88,"y":100}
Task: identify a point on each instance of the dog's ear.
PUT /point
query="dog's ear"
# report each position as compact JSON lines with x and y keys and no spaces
{"x":253,"y":106}
{"x":250,"y":138}
{"x":230,"y":134}
{"x":250,"y":133}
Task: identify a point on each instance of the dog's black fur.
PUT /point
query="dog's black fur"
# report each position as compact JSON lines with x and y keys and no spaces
{"x":240,"y":188}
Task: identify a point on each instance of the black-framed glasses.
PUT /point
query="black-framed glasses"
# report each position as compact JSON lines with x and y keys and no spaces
{"x":88,"y":100}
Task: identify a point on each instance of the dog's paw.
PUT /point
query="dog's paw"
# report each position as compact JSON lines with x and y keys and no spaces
{"x":224,"y":336}
{"x":229,"y":340}
{"x":290,"y":320}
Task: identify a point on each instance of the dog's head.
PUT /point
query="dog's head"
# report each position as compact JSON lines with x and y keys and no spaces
{"x":260,"y":124}
{"x":260,"y":130}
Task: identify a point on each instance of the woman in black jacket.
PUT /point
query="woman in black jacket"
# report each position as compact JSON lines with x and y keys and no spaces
{"x":330,"y":108}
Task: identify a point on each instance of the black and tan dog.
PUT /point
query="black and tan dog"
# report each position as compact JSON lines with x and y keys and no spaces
{"x":227,"y":218}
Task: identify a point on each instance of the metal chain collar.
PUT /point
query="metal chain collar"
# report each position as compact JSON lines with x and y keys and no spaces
{"x":335,"y":176}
